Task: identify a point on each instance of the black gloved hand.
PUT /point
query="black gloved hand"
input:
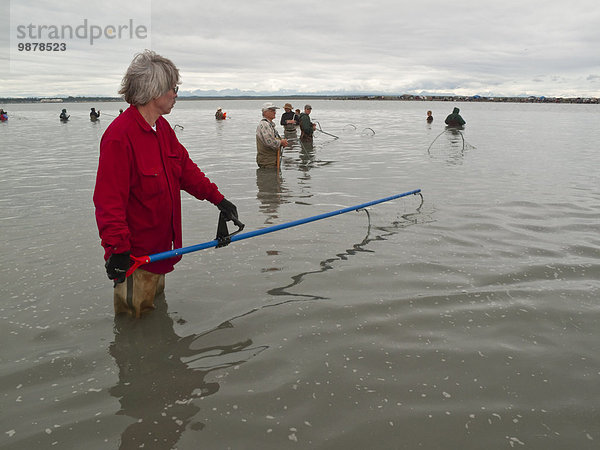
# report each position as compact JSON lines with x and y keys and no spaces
{"x":229,"y":209}
{"x":117,"y":266}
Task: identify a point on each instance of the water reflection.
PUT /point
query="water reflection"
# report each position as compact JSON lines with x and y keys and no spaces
{"x":327,"y":264}
{"x":455,"y":143}
{"x":307,"y":157}
{"x":220,"y":129}
{"x":162,"y":374}
{"x":307,"y":162}
{"x":455,"y":133}
{"x":270,"y":192}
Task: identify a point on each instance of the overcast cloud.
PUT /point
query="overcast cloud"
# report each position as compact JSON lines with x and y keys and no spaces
{"x":464,"y":47}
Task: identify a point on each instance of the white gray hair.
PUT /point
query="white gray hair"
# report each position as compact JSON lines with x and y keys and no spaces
{"x":148,"y":77}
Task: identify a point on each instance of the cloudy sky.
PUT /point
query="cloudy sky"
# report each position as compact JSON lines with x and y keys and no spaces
{"x":463,"y":47}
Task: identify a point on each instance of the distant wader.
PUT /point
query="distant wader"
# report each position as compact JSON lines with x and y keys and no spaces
{"x":305,"y":127}
{"x":306,"y":140}
{"x":266,"y":157}
{"x":290,"y":130}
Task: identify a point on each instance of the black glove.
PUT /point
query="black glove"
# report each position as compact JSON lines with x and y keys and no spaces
{"x":229,"y":210}
{"x":117,"y":266}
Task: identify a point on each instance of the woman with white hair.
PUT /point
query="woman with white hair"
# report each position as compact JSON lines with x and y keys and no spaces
{"x":142,"y":169}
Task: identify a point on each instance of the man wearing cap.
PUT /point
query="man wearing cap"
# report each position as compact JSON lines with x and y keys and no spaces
{"x":268,"y":141}
{"x":290,"y":122}
{"x":307,"y":128}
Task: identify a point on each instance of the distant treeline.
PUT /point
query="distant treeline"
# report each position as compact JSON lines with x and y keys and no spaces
{"x":60,"y":100}
{"x":438,"y":98}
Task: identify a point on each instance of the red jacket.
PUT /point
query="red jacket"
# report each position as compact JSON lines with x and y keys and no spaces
{"x":137,"y":194}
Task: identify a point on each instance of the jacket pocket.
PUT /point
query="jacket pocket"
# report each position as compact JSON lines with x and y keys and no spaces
{"x":151,"y":181}
{"x":150,"y":174}
{"x":175,"y":166}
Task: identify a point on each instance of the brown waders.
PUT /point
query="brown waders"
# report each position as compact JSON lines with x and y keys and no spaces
{"x":136,"y":294}
{"x":290,"y":132}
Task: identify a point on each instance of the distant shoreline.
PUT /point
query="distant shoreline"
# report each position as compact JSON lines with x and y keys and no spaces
{"x":420,"y":98}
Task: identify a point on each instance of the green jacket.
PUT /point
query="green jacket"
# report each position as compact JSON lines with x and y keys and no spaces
{"x":454,"y":119}
{"x":306,"y":126}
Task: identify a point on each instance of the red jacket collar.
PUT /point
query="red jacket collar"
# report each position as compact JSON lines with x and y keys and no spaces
{"x":141,"y":121}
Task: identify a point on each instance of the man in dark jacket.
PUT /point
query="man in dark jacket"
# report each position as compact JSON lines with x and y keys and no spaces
{"x":290,"y":121}
{"x":94,"y":115}
{"x":454,"y":119}
{"x":307,"y":128}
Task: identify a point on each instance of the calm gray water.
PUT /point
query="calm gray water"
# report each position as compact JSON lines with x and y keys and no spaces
{"x":469,"y":320}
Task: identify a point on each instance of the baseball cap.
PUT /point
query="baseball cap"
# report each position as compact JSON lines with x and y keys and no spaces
{"x":269,"y":105}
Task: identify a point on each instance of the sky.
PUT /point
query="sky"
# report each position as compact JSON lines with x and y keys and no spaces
{"x":465,"y":47}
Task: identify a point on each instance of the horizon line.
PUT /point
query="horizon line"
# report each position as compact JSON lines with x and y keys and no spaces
{"x":355,"y":96}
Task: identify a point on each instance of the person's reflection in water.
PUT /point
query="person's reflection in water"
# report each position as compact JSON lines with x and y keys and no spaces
{"x":307,"y":157}
{"x":270,"y":191}
{"x":161,"y":373}
{"x":457,"y":146}
{"x":456,"y":137}
{"x":307,"y":162}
